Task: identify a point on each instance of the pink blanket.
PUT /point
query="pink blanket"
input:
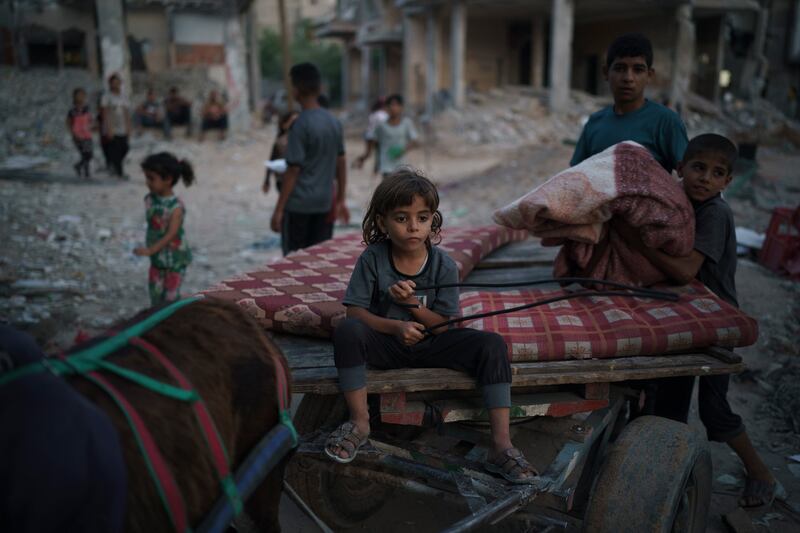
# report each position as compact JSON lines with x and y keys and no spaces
{"x":572,"y":208}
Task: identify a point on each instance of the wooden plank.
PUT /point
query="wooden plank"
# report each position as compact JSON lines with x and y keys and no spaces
{"x":324,"y":380}
{"x":596,"y":391}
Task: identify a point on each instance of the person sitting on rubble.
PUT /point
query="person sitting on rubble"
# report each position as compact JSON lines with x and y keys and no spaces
{"x":179,"y":110}
{"x":632,"y":117}
{"x":214,"y":115}
{"x":393,"y":138}
{"x":150,"y":114}
{"x":706,"y":170}
{"x":388,"y":321}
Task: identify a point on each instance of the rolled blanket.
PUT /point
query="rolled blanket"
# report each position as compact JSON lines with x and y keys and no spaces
{"x":572,"y":208}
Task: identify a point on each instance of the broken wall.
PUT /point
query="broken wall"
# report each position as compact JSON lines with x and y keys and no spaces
{"x":783,"y":75}
{"x":487,"y":56}
{"x":54,"y":18}
{"x":151,"y":28}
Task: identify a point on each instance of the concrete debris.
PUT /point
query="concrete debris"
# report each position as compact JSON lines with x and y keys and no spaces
{"x":739,"y":521}
{"x":767,"y":518}
{"x":512,"y":116}
{"x":42,"y":286}
{"x":749,"y":123}
{"x":727,"y":479}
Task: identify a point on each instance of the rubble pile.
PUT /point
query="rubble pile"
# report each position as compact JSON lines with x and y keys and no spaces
{"x":756,"y":122}
{"x":513,"y":116}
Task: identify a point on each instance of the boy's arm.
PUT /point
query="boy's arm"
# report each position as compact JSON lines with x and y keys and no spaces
{"x":287,"y":186}
{"x":680,"y":269}
{"x":359,"y":161}
{"x":403,"y":293}
{"x":342,"y":213}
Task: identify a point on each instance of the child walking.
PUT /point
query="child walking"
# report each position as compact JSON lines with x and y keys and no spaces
{"x":79,"y":123}
{"x":166,"y":246}
{"x":387,"y":317}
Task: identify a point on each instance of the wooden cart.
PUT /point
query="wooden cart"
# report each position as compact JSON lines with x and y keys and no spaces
{"x":570,"y":418}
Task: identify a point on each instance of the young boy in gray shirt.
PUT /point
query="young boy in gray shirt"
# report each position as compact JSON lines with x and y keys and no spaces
{"x":706,"y":170}
{"x":307,"y":205}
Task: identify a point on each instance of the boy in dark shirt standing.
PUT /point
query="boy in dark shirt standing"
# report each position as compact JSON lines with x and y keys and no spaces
{"x":706,"y":171}
{"x":315,"y":157}
{"x":628,"y":70}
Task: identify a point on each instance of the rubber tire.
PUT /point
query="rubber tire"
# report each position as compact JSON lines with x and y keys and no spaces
{"x":655,"y":478}
{"x":341,"y":502}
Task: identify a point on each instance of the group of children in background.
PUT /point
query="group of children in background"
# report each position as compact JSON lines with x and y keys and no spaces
{"x":114,"y":120}
{"x":389,"y":323}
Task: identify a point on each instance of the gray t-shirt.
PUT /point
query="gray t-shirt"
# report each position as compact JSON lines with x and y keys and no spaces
{"x":375,"y":273}
{"x":392,"y":142}
{"x":315,"y":141}
{"x":715,"y":238}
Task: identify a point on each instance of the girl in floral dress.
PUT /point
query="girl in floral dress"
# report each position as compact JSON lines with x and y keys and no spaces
{"x":165,"y":243}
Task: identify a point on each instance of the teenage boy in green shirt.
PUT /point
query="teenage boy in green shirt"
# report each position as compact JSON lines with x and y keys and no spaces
{"x":632,"y":117}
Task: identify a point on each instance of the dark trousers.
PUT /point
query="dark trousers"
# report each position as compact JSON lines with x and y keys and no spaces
{"x":146,"y":121}
{"x":85,"y":149}
{"x":117,"y":150}
{"x":181,"y":117}
{"x":481,"y":354}
{"x":674,"y":398}
{"x":301,"y":230}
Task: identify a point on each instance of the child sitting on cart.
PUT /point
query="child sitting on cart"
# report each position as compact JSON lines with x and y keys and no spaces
{"x":706,"y":170}
{"x":387,"y":320}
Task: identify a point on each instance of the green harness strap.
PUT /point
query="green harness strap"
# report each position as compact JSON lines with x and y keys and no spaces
{"x":92,"y":358}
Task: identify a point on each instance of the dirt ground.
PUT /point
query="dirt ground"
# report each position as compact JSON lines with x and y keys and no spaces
{"x":66,"y":264}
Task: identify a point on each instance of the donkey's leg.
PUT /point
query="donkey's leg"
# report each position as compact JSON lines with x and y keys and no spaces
{"x":263,"y":505}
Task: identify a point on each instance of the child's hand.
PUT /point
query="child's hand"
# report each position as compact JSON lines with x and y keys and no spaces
{"x":358,"y":162}
{"x":403,"y":292}
{"x":342,"y":213}
{"x":410,"y":333}
{"x":142,"y":251}
{"x":265,"y":187}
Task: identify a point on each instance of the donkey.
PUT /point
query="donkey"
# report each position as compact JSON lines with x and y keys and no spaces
{"x":232,"y":365}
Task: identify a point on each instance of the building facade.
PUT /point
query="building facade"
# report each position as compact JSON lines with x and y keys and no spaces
{"x":144,"y":38}
{"x":435,"y":51}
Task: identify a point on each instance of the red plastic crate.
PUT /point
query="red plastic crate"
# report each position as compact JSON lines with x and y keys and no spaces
{"x":781,"y":250}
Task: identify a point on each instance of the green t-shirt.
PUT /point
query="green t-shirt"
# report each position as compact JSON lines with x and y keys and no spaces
{"x":655,"y":127}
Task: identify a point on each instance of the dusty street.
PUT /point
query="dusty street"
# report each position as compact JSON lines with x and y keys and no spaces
{"x":67,"y":264}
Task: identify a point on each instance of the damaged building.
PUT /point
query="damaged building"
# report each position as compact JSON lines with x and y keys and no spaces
{"x":193,"y":44}
{"x":436,"y":51}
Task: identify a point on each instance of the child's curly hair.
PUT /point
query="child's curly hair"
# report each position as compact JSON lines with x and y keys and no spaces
{"x":398,"y":190}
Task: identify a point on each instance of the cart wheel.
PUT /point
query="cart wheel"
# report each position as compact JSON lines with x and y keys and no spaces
{"x":341,"y":502}
{"x":656,"y":477}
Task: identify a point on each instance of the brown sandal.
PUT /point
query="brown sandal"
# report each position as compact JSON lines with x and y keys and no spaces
{"x":346,"y":437}
{"x":513,"y":466}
